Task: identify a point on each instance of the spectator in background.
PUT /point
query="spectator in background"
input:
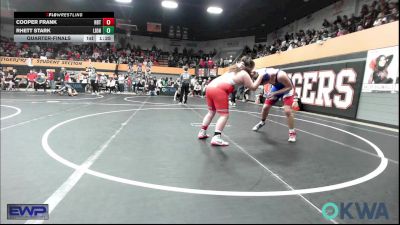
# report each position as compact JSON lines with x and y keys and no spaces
{"x":2,"y":79}
{"x":140,"y":86}
{"x":111,"y":85}
{"x":210,"y":63}
{"x":204,"y":87}
{"x":202,"y":63}
{"x":152,"y":88}
{"x":164,"y":82}
{"x":345,"y":22}
{"x":364,"y":11}
{"x":338,"y":20}
{"x":148,"y":66}
{"x":40,"y":73}
{"x":61,"y":76}
{"x":191,"y":86}
{"x":40,"y":81}
{"x":170,"y":82}
{"x":129,"y":83}
{"x":32,"y":75}
{"x":8,"y":79}
{"x":381,"y":19}
{"x":178,"y":90}
{"x":197,"y":89}
{"x":326,"y":24}
{"x":121,"y":83}
{"x":393,"y":11}
{"x":226,"y":62}
{"x":139,"y":69}
{"x":341,"y":32}
{"x":50,"y":78}
{"x":67,"y":78}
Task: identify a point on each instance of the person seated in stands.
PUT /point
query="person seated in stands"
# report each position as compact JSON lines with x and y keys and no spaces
{"x":210,"y":63}
{"x":111,"y":85}
{"x":197,"y":89}
{"x":202,"y":63}
{"x":170,"y":82}
{"x":10,"y":79}
{"x":152,"y":88}
{"x":140,"y":86}
{"x":40,"y":81}
{"x":381,"y":19}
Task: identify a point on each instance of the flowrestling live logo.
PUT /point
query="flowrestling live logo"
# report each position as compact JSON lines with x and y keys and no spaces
{"x":355,"y":210}
{"x":27,"y":211}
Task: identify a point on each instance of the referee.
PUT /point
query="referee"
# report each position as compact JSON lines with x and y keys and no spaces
{"x":93,"y":80}
{"x":185,"y":82}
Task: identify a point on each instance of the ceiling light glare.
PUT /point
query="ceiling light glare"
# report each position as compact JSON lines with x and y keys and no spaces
{"x":214,"y":10}
{"x":124,"y":1}
{"x":169,"y":4}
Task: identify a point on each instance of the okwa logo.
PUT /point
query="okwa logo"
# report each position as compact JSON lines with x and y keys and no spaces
{"x":355,"y":210}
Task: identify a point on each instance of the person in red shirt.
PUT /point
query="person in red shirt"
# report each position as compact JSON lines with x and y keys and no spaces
{"x":202,"y":63}
{"x":50,"y":77}
{"x":67,"y":78}
{"x":31,"y":79}
{"x":210,"y":63}
{"x":129,"y":83}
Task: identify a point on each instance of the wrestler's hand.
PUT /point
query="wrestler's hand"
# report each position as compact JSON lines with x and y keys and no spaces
{"x":254,"y":75}
{"x":270,"y":95}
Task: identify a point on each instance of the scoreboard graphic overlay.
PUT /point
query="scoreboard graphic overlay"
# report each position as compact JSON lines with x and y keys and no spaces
{"x":64,"y":26}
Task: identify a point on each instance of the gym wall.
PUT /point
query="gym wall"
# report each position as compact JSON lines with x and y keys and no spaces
{"x":329,"y":77}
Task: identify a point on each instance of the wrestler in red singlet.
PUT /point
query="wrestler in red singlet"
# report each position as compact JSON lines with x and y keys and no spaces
{"x":217,"y":94}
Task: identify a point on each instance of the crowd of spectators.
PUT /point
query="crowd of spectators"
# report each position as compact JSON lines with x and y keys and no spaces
{"x":96,"y":83}
{"x":191,"y":59}
{"x":378,"y":13}
{"x":106,"y":53}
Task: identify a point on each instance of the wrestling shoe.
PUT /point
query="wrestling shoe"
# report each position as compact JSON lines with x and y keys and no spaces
{"x":217,"y":141}
{"x":202,"y":134}
{"x":292,"y":136}
{"x":258,"y":126}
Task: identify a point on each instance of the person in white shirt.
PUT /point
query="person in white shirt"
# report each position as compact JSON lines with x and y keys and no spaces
{"x":197,"y":89}
{"x":111,"y":84}
{"x":40,"y":73}
{"x":192,"y":83}
{"x":121,"y":83}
